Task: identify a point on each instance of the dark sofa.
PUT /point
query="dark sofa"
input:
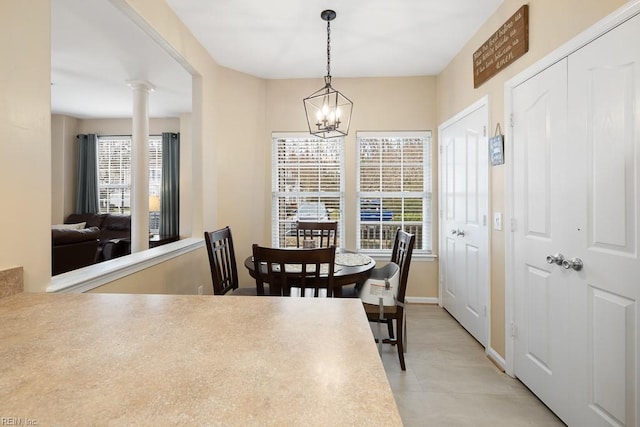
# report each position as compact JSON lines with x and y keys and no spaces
{"x":115,"y":233}
{"x":72,"y":249}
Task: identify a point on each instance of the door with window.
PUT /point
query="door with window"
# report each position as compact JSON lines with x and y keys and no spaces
{"x":464,"y":231}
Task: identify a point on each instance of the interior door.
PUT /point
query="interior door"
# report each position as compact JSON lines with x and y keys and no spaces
{"x":464,"y":250}
{"x":576,"y":193}
{"x":539,"y":183}
{"x":604,"y":116}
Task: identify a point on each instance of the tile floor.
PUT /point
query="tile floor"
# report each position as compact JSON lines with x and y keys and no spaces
{"x":449,"y":381}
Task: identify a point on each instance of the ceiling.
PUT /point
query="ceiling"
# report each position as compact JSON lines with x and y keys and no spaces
{"x":96,"y":49}
{"x":280,"y":39}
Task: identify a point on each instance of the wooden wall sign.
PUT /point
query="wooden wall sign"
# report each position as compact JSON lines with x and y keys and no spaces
{"x":506,"y":45}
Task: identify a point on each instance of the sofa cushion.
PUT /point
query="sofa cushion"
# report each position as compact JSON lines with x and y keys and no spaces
{"x":66,"y":236}
{"x":116,"y":227}
{"x":92,"y":220}
{"x":77,"y":226}
{"x":117,"y":222}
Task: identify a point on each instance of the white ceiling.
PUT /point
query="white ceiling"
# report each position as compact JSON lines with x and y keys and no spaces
{"x":96,"y":49}
{"x":279,"y":39}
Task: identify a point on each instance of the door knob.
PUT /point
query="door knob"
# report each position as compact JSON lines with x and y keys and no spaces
{"x":459,"y":232}
{"x":555,"y":259}
{"x":575,"y":263}
{"x":454,"y":231}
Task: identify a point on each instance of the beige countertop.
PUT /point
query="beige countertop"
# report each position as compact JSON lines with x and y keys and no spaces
{"x":113,"y":359}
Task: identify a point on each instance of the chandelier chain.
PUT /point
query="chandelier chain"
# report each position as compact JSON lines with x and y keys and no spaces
{"x":328,"y":48}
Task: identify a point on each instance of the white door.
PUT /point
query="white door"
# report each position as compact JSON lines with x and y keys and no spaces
{"x":464,"y":233}
{"x":604,"y":118}
{"x":576,"y":192}
{"x":540,"y":291}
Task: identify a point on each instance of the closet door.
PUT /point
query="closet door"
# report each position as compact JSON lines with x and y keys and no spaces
{"x":604,"y":123}
{"x":540,"y":209}
{"x":464,"y":236}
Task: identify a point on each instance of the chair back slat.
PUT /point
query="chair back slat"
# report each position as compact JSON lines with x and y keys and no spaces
{"x":283,"y":269}
{"x":222,"y":260}
{"x":322,"y":233}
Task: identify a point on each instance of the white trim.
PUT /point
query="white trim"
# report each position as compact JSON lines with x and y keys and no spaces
{"x":421,"y":300}
{"x":603,"y":26}
{"x":495,"y":357}
{"x":393,"y":134}
{"x":470,"y":109}
{"x":296,"y":135}
{"x":87,"y":278}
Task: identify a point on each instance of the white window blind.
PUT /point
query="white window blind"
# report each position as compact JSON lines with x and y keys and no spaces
{"x":307,"y":184}
{"x":394,"y":189}
{"x":114,"y":172}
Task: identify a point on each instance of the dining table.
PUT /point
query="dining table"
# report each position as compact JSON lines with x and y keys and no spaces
{"x":155,"y":360}
{"x":350,"y":268}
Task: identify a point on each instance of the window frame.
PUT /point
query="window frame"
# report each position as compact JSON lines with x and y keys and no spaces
{"x":154,"y":170}
{"x":276,"y":194}
{"x":424,"y":247}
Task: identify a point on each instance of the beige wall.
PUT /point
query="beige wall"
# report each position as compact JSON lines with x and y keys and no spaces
{"x":64,"y":163}
{"x":240,"y":163}
{"x":25,"y":135}
{"x":123,"y":126}
{"x":551,"y":23}
{"x":380,"y":104}
{"x":181,"y":275}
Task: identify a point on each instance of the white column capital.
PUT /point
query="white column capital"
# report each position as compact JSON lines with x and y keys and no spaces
{"x":141,"y":85}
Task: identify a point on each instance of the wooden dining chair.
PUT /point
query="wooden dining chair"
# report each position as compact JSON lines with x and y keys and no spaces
{"x":222,"y":261}
{"x":308,"y":269}
{"x":400,"y":255}
{"x":322,"y":233}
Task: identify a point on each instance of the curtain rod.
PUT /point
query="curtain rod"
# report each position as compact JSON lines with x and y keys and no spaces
{"x":119,"y":136}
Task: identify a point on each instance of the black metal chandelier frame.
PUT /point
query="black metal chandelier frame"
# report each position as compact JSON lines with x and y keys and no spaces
{"x":328,"y":111}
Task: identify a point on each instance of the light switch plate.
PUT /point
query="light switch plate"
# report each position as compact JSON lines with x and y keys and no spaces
{"x":497,"y":220}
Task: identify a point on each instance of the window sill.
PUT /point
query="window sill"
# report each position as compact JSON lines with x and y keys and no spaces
{"x":87,"y":278}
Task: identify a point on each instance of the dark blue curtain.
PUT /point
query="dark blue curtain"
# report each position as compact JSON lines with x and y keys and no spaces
{"x":170,"y":188}
{"x":87,"y":189}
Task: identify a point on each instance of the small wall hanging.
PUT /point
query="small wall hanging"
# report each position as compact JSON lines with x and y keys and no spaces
{"x":496,"y":147}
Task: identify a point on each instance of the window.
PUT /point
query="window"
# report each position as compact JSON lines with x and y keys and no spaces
{"x":307,"y":184}
{"x":394,"y":189}
{"x":114,"y":173}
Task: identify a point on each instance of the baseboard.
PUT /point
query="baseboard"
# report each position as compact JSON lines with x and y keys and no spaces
{"x":421,"y":300}
{"x":496,"y":358}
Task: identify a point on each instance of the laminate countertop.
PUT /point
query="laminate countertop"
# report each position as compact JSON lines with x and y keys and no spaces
{"x":116,"y":359}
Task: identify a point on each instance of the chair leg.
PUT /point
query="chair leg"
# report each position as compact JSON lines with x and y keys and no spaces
{"x":399,"y":341}
{"x":404,"y":330}
{"x":390,"y":328}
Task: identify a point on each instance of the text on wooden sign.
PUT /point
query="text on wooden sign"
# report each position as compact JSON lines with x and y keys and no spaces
{"x":509,"y":43}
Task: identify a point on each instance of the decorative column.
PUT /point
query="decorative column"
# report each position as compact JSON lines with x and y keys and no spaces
{"x":140,"y":166}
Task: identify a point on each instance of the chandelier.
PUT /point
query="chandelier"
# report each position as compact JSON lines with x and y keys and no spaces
{"x":328,"y":111}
